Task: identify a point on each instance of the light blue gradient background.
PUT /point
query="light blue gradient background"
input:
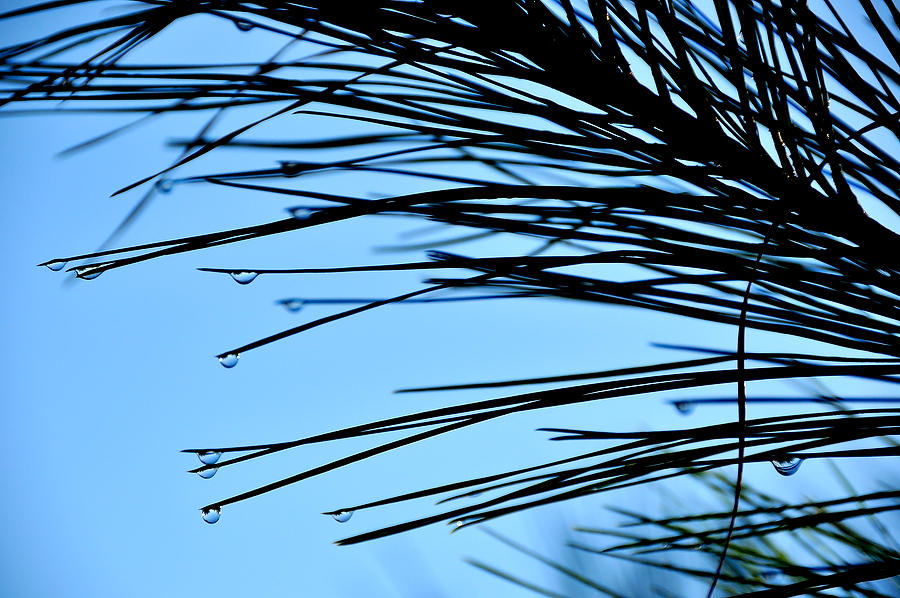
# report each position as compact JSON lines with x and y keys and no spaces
{"x":105,"y":381}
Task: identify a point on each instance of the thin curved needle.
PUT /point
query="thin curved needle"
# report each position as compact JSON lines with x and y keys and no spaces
{"x":742,"y":415}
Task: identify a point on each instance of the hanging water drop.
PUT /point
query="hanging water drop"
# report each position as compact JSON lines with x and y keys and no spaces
{"x":342,"y":516}
{"x":291,"y":168}
{"x":300,"y":213}
{"x":244,"y":25}
{"x":211,"y":514}
{"x":207,"y":473}
{"x":684,"y":407}
{"x":293,"y":305}
{"x":56,"y":265}
{"x":230,"y":360}
{"x":244,"y":276}
{"x":164,"y":185}
{"x":209,"y":457}
{"x":787,"y":465}
{"x":88,"y":272}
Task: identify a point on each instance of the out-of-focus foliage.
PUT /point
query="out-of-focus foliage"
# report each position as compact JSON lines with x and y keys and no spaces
{"x":778,"y":548}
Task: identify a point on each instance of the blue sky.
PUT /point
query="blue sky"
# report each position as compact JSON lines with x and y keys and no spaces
{"x":106,"y":380}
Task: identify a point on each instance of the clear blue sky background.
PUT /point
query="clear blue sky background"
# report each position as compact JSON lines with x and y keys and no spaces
{"x":106,"y":380}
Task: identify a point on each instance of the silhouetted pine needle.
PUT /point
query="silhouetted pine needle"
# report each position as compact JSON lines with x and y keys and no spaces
{"x":719,"y":157}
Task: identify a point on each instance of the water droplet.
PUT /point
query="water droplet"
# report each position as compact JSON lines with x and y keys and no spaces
{"x":56,"y":265}
{"x":684,"y":407}
{"x":209,"y":457}
{"x":207,"y":473}
{"x":300,"y":213}
{"x":164,"y":185}
{"x":342,"y":516}
{"x":244,"y":276}
{"x":88,"y":272}
{"x":244,"y":25}
{"x":293,"y":305}
{"x":230,"y":360}
{"x":291,"y":168}
{"x":787,"y":465}
{"x":211,"y":514}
